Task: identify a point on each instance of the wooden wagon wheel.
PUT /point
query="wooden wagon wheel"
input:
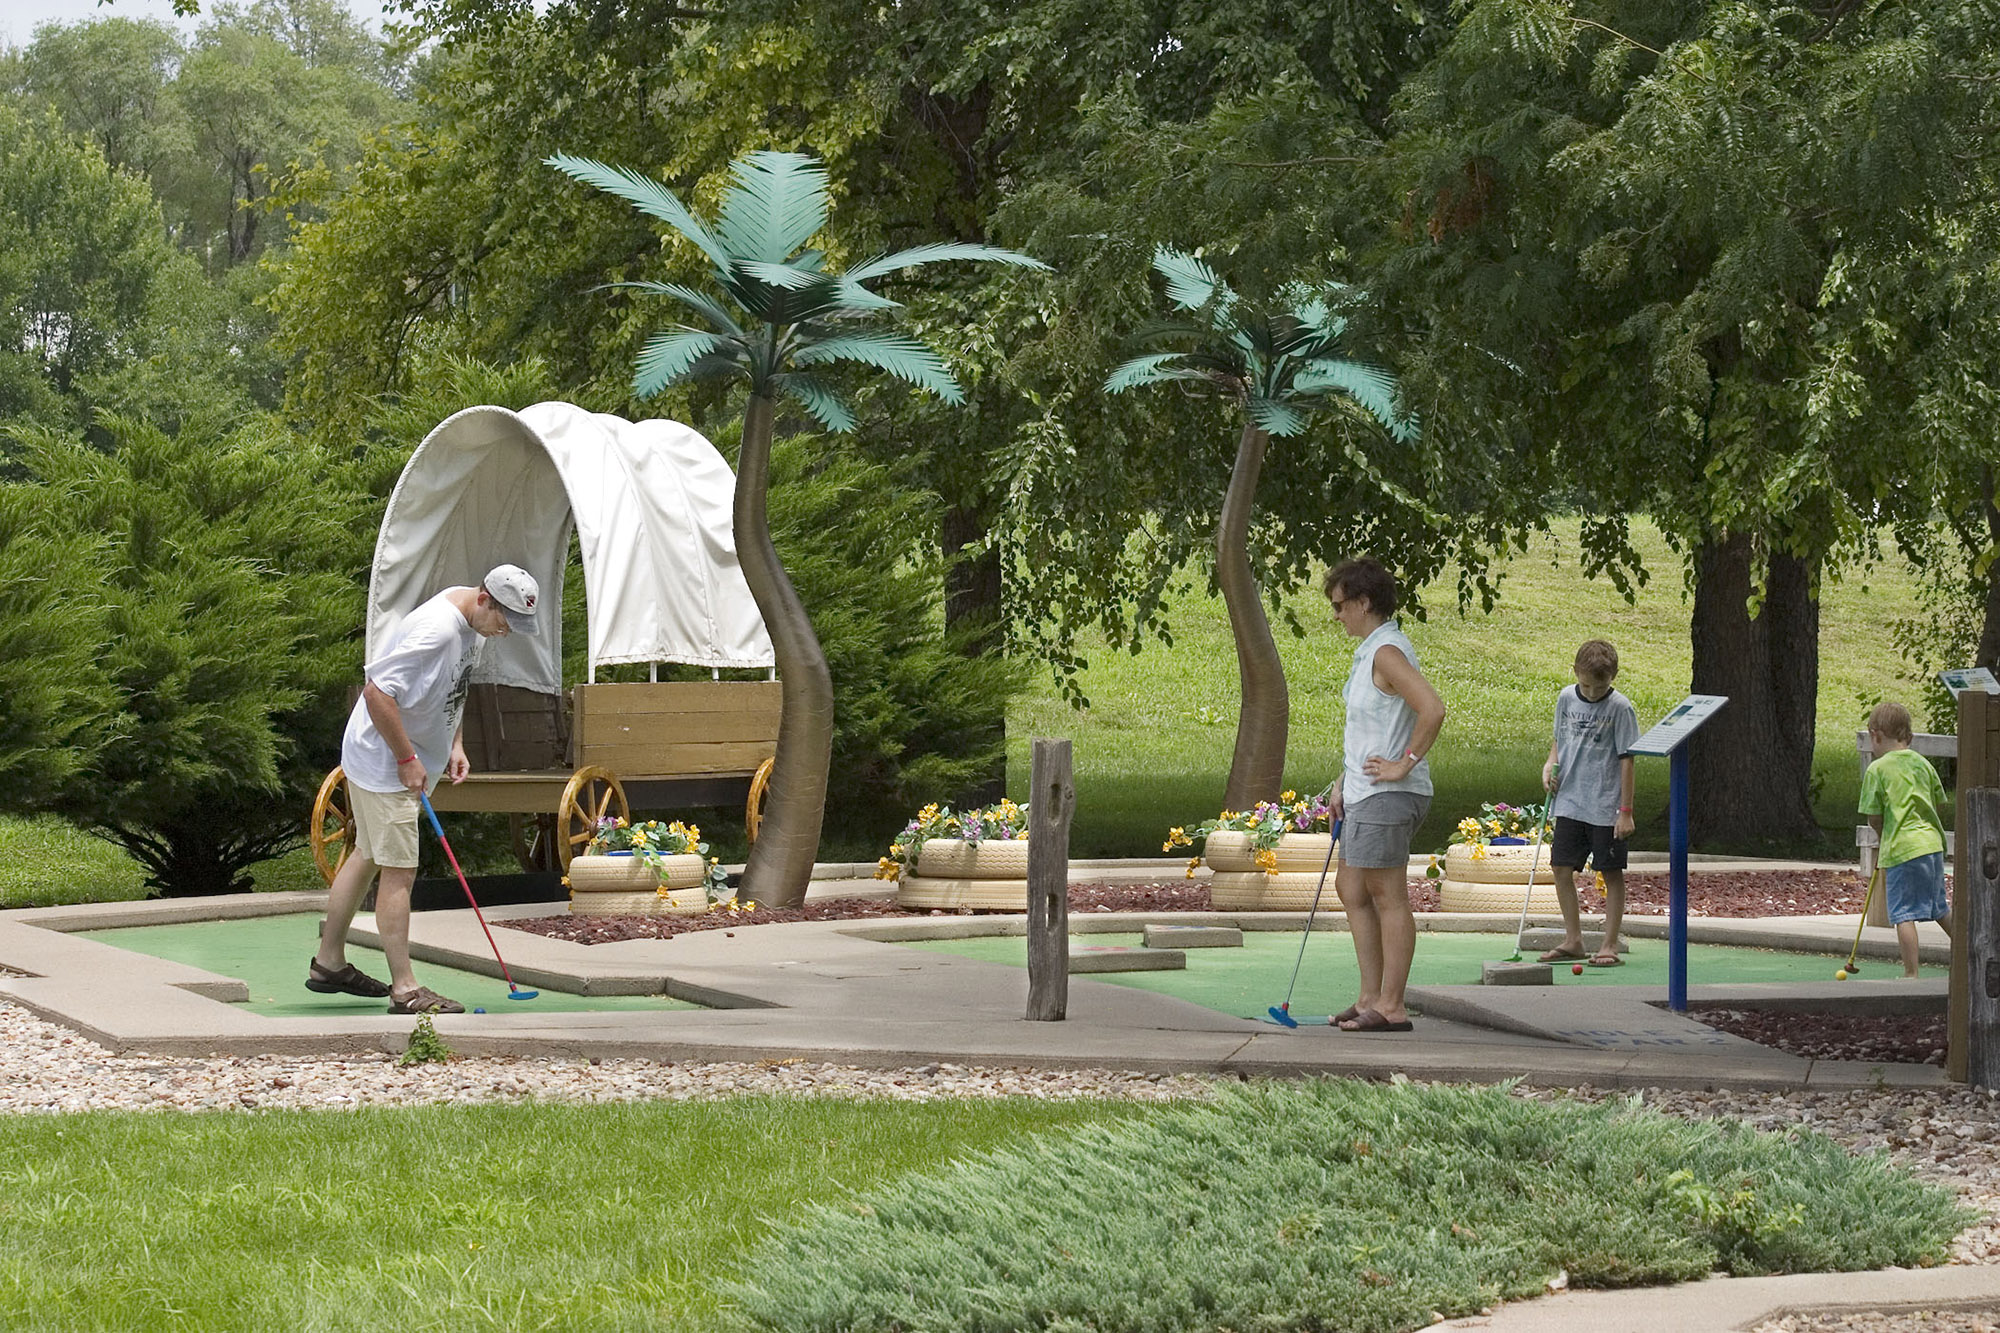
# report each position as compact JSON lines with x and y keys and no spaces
{"x":530,"y":838}
{"x":753,"y":809}
{"x":592,"y":794}
{"x":331,"y":831}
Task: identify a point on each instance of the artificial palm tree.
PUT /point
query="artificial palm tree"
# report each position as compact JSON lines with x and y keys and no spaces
{"x":1276,"y":365}
{"x":780,"y":315}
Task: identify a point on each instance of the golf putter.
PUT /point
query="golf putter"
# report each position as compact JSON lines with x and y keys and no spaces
{"x":1281,"y":1014}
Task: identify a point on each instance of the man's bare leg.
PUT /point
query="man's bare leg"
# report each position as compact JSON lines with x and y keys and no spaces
{"x":343,"y":900}
{"x":392,"y":925}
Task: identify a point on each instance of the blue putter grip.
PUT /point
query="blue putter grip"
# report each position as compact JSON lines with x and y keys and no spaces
{"x":436,"y":827}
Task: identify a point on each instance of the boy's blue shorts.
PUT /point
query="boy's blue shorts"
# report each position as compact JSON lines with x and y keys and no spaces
{"x":1915,"y":889}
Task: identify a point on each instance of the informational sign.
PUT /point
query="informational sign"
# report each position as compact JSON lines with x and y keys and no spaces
{"x":1672,"y":731}
{"x":1969,"y":678}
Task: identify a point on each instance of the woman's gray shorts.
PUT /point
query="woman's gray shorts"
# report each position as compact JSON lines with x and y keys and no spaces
{"x":1376,"y":833}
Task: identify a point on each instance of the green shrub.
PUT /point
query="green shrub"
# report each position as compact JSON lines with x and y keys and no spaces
{"x":1336,"y":1205}
{"x":219,"y":619}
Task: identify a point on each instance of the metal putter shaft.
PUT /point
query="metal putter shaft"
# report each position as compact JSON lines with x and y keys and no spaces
{"x":1866,"y":899}
{"x":513,"y":992}
{"x":1281,"y":1014}
{"x":1534,"y":868}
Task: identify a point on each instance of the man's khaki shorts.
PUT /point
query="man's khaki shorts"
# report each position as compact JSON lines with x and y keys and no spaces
{"x":385,"y":826}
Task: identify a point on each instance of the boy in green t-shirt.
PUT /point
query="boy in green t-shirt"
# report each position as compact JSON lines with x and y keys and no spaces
{"x":1901,"y":795}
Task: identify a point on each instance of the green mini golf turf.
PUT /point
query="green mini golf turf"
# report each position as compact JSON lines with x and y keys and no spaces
{"x":269,"y":954}
{"x":1249,"y":980}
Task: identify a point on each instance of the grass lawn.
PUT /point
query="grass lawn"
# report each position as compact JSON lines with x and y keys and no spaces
{"x":44,"y":861}
{"x":1153,"y":749}
{"x":441,"y":1218}
{"x":1277,"y":1205}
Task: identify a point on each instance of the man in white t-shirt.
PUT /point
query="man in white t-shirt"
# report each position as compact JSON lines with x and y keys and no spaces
{"x":403,"y":735}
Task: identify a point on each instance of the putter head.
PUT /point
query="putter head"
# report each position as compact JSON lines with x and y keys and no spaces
{"x":522,"y":994}
{"x":1281,"y":1015}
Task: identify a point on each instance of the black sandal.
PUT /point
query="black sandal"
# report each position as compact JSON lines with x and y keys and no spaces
{"x":347,"y":979}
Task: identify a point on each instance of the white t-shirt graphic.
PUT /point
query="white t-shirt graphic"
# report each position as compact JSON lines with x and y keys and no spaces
{"x":427,"y":673}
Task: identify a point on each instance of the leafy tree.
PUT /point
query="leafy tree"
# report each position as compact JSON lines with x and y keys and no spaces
{"x":81,"y":252}
{"x":266,"y":89}
{"x":1275,"y":365}
{"x":111,"y":82}
{"x":1685,"y":229}
{"x":224,"y":612}
{"x":783,"y":315}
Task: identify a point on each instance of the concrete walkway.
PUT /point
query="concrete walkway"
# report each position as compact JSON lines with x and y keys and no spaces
{"x":847,"y":992}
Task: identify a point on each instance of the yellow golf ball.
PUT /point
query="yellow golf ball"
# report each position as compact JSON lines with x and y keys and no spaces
{"x":1840,"y":975}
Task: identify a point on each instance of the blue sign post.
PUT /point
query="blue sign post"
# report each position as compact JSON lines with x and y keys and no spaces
{"x":1668,"y":737}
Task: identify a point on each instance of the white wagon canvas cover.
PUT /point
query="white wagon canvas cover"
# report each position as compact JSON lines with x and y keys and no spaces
{"x":650,"y":504}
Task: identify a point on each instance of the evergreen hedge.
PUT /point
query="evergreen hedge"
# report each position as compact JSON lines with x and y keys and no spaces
{"x":1335,"y":1205}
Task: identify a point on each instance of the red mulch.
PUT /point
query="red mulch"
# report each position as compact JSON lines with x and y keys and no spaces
{"x":1909,"y":1039}
{"x":1733,"y":894}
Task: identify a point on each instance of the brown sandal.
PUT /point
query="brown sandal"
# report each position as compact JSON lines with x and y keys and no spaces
{"x":423,"y":1000}
{"x":347,"y":979}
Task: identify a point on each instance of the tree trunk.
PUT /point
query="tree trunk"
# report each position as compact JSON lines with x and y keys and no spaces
{"x":972,"y":604}
{"x":1988,"y":652}
{"x":1750,"y":768}
{"x":781,"y":860}
{"x":1257,"y":770}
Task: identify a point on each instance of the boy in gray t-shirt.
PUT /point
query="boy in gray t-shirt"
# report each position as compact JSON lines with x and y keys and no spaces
{"x":1589,"y":772}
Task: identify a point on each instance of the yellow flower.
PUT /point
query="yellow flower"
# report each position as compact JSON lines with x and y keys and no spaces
{"x":1492,"y":826}
{"x":1267,"y":860}
{"x":1288,"y":796}
{"x":887,"y":869}
{"x":1194,"y":864}
{"x":565,"y":881}
{"x":1479,"y":851}
{"x":928,"y":813}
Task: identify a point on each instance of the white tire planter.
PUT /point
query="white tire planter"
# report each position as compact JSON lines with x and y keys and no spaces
{"x":1227,"y":851}
{"x":676,"y":902}
{"x":954,"y":858}
{"x":990,"y":875}
{"x":976,"y":895}
{"x":1497,"y":881}
{"x":1286,"y":891}
{"x":629,"y":886}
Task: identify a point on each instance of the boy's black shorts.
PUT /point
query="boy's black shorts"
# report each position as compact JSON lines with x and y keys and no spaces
{"x":1574,"y":840}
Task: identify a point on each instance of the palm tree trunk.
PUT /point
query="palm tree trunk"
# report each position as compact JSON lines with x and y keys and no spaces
{"x":1257,"y":769}
{"x":781,"y":861}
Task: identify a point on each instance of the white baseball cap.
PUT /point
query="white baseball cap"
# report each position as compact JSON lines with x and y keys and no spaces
{"x":514,"y":590}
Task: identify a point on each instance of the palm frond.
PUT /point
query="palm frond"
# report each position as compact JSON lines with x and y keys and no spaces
{"x":1370,"y":386}
{"x":648,"y":196}
{"x":1150,"y":369}
{"x":820,"y":402}
{"x":716,"y":312}
{"x":1274,"y":416}
{"x":1191,"y":284}
{"x":858,"y":300}
{"x":669,"y":356}
{"x":785,"y":276}
{"x":774,"y":205}
{"x":936,"y":252}
{"x":905,"y":358}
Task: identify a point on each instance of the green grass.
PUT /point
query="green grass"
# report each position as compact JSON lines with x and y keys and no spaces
{"x":1153,"y":749}
{"x":1336,"y":1206}
{"x":44,"y":862}
{"x":443,"y":1218}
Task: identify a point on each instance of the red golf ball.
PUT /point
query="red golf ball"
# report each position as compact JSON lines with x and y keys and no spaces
{"x":1576,"y":969}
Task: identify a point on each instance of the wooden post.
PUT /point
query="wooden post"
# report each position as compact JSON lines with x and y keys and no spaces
{"x":1052,"y":802}
{"x":1978,"y":766}
{"x":1979,"y":891}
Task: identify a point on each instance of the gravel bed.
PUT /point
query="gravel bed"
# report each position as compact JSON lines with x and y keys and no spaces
{"x":1757,"y":893}
{"x":1885,"y":1321}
